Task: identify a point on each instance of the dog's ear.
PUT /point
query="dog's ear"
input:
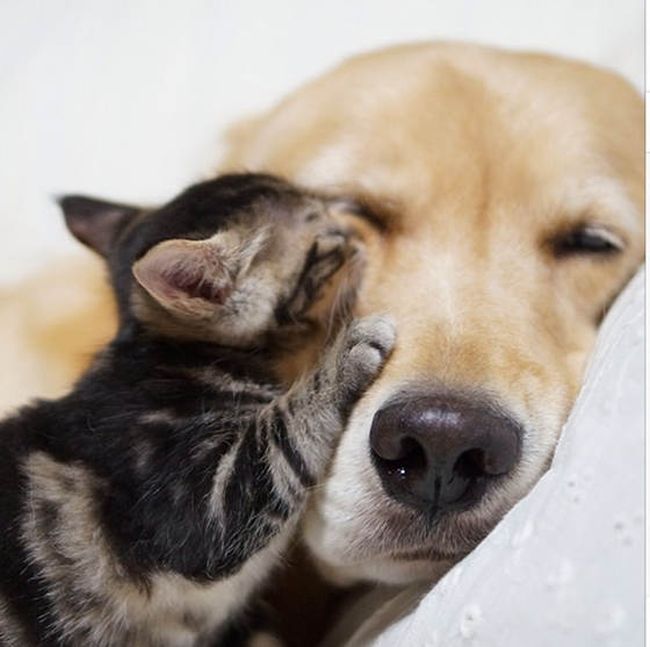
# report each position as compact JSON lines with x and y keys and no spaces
{"x":190,"y":277}
{"x":95,"y":223}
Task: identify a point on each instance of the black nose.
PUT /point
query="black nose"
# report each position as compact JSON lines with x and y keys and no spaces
{"x":438,"y":453}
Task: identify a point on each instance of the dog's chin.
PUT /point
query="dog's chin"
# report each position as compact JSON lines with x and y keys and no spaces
{"x":386,"y":542}
{"x":384,"y":570}
{"x":400,"y":551}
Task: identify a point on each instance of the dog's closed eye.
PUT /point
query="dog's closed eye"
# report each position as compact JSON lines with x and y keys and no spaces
{"x":361,"y":207}
{"x":586,"y":239}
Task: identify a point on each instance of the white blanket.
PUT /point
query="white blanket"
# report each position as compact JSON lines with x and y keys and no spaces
{"x":565,"y":567}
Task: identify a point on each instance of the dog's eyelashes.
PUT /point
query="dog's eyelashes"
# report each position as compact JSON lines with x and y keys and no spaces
{"x":587,"y":240}
{"x":358,"y":207}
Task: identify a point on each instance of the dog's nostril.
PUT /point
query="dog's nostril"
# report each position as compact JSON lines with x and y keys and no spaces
{"x":393,"y":446}
{"x":471,"y":464}
{"x":406,"y":461}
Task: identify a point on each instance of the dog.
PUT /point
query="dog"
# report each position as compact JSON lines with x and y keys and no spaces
{"x":500,"y":197}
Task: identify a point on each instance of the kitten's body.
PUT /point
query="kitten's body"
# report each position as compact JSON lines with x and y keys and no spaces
{"x":147,"y":506}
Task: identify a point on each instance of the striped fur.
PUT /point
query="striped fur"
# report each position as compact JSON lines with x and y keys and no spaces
{"x":150,"y":504}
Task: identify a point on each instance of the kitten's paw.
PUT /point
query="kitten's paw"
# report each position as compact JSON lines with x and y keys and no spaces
{"x":367,"y":344}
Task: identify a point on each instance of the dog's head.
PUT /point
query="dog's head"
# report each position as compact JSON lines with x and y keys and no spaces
{"x":501,"y":198}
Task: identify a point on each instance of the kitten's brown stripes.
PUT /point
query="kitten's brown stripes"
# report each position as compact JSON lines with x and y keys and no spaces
{"x":149,"y":505}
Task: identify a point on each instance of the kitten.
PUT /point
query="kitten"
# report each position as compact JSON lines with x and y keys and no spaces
{"x":148,"y":505}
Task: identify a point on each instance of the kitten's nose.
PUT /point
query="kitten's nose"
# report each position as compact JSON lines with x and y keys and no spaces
{"x":437,"y":453}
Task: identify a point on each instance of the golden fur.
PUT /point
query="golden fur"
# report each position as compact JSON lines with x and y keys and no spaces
{"x":473,"y":158}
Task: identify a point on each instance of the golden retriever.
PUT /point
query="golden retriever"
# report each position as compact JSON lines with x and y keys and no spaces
{"x":501,"y":199}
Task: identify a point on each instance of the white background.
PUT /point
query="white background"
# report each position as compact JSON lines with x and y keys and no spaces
{"x":127,"y":99}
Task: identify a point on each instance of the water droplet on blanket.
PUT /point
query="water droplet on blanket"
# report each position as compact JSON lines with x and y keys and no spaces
{"x":573,"y":486}
{"x":622,"y":531}
{"x":470,"y":621}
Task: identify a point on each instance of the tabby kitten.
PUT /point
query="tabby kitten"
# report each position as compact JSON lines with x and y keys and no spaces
{"x":147,"y":506}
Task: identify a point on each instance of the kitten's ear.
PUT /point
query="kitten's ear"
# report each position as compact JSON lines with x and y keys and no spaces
{"x":95,"y":223}
{"x":191,"y":277}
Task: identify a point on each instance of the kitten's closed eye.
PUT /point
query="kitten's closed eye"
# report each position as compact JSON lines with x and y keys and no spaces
{"x":328,"y":253}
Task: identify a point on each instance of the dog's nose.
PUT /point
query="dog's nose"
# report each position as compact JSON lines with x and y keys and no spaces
{"x":438,"y":453}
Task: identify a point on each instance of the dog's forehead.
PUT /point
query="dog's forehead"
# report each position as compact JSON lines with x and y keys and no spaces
{"x":458,"y":129}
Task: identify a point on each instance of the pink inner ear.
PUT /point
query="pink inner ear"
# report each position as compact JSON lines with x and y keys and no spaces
{"x":192,"y":282}
{"x":184,"y":274}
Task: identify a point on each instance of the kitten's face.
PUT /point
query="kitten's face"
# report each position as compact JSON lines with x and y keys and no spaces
{"x":232,"y":261}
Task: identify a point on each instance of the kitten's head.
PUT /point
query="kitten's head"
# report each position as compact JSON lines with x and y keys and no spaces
{"x":230,"y":260}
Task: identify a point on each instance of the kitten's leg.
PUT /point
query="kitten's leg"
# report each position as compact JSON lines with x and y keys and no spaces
{"x":288,"y":449}
{"x":303,"y":424}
